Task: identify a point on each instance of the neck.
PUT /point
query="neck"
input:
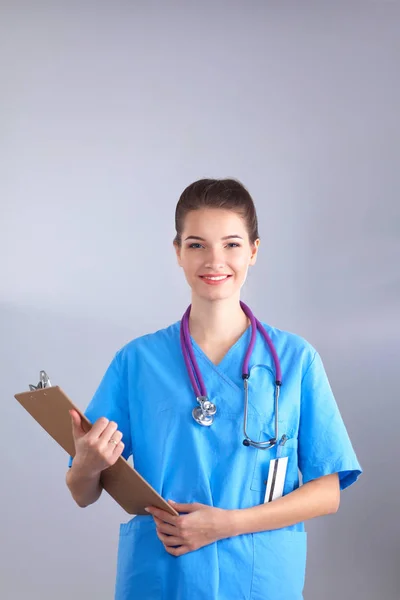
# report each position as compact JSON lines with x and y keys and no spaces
{"x":221,"y":320}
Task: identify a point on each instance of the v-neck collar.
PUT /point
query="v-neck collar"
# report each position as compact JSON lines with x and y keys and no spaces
{"x":225,"y":358}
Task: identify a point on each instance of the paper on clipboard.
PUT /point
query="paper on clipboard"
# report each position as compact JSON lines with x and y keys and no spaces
{"x":50,"y":406}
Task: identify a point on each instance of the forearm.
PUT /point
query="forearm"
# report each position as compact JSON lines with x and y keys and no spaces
{"x":314,"y":499}
{"x":85,"y":489}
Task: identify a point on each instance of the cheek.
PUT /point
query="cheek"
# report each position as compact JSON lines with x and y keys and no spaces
{"x":190,"y":265}
{"x":241,"y":263}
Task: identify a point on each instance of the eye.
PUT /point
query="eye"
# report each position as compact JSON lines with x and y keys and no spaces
{"x":195,"y":245}
{"x":233,"y":245}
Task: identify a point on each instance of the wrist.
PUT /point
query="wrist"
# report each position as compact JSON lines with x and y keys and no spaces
{"x":235,"y":520}
{"x":81,"y":472}
{"x":231,"y":525}
{"x":245,"y":520}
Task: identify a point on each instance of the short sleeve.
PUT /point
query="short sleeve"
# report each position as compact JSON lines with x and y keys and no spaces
{"x":111,"y":401}
{"x":324,"y":444}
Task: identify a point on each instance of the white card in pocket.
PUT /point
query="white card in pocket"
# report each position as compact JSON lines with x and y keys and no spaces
{"x":276,"y":479}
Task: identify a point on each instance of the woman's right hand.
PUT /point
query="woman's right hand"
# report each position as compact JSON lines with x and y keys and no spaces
{"x":94,"y":451}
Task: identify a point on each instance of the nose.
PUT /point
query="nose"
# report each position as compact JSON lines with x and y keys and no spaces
{"x":215,"y":259}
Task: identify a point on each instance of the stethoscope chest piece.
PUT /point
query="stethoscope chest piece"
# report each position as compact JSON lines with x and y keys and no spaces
{"x":204,"y":414}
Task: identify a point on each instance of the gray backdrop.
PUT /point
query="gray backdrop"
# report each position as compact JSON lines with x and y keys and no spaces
{"x":107,"y":111}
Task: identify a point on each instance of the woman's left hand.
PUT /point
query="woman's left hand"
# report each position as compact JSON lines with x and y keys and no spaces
{"x":200,"y":526}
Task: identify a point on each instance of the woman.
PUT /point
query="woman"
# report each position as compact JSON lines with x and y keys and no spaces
{"x":230,"y":541}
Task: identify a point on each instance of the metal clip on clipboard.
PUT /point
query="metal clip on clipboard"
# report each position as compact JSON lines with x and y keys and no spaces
{"x":44,"y":382}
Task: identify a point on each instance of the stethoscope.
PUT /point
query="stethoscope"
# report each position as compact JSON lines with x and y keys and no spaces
{"x":204,"y":413}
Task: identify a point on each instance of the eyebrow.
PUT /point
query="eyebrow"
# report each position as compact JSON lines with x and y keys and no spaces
{"x":226,"y":237}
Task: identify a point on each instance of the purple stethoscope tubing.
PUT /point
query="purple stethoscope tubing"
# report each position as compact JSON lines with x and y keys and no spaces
{"x":205,"y":413}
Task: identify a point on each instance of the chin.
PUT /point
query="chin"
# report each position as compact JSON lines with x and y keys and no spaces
{"x":214,"y":295}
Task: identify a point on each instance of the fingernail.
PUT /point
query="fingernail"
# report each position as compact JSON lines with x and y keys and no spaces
{"x":147,"y":510}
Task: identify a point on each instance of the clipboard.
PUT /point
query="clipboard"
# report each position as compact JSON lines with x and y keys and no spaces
{"x":49,"y":406}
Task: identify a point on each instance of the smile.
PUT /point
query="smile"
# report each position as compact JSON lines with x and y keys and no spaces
{"x":214,"y":279}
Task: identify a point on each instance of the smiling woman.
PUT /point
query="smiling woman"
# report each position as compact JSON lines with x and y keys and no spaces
{"x":217,"y":238}
{"x":264,"y":412}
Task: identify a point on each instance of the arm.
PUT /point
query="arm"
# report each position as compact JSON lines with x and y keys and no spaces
{"x":85,"y":488}
{"x":95,"y":451}
{"x":204,"y":525}
{"x":313,"y":499}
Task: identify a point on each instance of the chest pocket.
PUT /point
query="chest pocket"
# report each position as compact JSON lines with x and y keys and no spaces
{"x":261,"y":427}
{"x":261,"y":467}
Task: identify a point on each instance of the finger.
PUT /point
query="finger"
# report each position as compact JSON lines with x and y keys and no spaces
{"x":109,"y":432}
{"x":76,"y":420}
{"x":177,"y":551}
{"x":165,"y":527}
{"x":115,"y":454}
{"x":117,"y":436}
{"x":119,"y":450}
{"x":114,"y":441}
{"x":162,"y":515}
{"x":185,"y":508}
{"x":98,"y":427}
{"x":169,"y":540}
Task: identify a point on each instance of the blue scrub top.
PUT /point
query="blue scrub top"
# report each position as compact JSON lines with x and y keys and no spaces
{"x":147,"y":391}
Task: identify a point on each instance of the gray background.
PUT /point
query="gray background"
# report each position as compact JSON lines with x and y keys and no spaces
{"x":107,"y":111}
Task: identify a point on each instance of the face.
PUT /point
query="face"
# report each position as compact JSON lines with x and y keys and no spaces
{"x":215,"y":253}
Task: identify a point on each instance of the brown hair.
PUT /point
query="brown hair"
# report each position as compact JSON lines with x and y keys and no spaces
{"x":228,"y":194}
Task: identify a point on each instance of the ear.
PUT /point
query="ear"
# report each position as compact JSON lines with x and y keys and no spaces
{"x":254,"y":252}
{"x":178,"y":253}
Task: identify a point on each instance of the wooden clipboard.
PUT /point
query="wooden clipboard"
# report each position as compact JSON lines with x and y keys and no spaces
{"x":49,"y":407}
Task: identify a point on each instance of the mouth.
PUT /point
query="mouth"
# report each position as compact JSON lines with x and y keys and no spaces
{"x":215,"y":279}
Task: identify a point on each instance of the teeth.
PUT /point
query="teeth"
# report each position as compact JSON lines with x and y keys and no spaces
{"x":216,"y":278}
